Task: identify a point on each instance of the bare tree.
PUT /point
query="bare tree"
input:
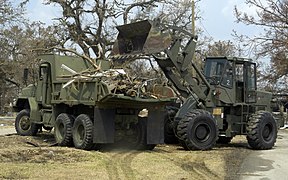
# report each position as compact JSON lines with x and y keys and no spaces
{"x":221,"y":48}
{"x":18,"y":37}
{"x":90,"y":24}
{"x":272,"y":17}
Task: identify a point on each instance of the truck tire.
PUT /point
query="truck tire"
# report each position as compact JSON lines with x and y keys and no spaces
{"x":198,"y":130}
{"x":63,"y":129}
{"x":83,"y":132}
{"x":140,"y":141}
{"x":224,"y":140}
{"x":261,"y":130}
{"x":24,"y":126}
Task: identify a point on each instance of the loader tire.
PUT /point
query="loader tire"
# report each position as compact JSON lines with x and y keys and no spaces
{"x":63,"y":129}
{"x":83,"y":132}
{"x":261,"y":130}
{"x":183,"y":144}
{"x":198,"y":130}
{"x":24,"y":126}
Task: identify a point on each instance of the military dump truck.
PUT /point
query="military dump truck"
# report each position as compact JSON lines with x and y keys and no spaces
{"x":221,"y":101}
{"x":89,"y":105}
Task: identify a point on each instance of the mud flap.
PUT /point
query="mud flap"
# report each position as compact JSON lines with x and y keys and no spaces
{"x":155,"y":126}
{"x":104,"y":127}
{"x":35,"y":115}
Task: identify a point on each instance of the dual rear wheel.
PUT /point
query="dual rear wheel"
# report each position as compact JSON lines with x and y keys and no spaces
{"x":79,"y":131}
{"x":69,"y":131}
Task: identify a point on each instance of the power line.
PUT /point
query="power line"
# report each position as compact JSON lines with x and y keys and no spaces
{"x":205,"y":28}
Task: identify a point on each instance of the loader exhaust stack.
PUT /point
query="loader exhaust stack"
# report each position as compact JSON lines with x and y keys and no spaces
{"x":140,"y":38}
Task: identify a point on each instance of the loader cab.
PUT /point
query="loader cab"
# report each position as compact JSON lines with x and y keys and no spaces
{"x":245,"y":77}
{"x":236,"y":75}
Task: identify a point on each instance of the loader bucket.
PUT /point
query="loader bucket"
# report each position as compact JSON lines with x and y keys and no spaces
{"x":143,"y":38}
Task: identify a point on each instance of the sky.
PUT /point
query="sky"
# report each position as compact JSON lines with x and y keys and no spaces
{"x":218,"y":19}
{"x":37,"y":11}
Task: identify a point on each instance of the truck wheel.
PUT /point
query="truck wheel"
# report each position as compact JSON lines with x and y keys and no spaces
{"x":169,"y":135}
{"x":198,"y":130}
{"x":140,"y":141}
{"x":24,"y":126}
{"x":224,"y":140}
{"x":63,"y":129}
{"x":261,"y":130}
{"x":83,"y":132}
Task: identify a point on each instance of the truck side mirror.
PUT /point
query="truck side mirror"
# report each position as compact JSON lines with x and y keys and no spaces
{"x":25,"y":75}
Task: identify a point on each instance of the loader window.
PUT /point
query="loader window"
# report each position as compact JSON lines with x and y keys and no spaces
{"x":250,"y":94}
{"x":251,"y":71}
{"x":227,"y":79}
{"x":214,"y":70}
{"x":239,"y":73}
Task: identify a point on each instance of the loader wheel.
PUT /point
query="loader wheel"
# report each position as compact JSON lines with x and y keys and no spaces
{"x":169,"y":135}
{"x":183,"y":144}
{"x":224,"y":140}
{"x":261,"y":130}
{"x":63,"y":129}
{"x":197,"y":130}
{"x":83,"y":132}
{"x":24,"y":126}
{"x":140,"y":139}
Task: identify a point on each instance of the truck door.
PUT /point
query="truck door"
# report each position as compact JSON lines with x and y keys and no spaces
{"x":45,"y":85}
{"x":250,"y":82}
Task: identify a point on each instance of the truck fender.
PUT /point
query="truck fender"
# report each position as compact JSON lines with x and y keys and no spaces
{"x":34,"y":109}
{"x":187,"y":106}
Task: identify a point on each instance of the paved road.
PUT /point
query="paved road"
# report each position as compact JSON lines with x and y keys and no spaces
{"x":268,"y":164}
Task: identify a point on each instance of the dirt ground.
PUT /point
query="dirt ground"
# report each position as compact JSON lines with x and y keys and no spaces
{"x":38,"y":157}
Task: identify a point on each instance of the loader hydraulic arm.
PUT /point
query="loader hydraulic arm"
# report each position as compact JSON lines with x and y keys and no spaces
{"x":178,"y":67}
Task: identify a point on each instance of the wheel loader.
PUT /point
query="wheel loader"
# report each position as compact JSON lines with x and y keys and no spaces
{"x":221,"y":100}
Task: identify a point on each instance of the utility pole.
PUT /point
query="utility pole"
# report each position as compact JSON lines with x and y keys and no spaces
{"x":193,"y":32}
{"x":193,"y":17}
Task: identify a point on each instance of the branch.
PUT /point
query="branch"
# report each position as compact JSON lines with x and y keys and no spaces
{"x":138,"y":4}
{"x":72,"y":51}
